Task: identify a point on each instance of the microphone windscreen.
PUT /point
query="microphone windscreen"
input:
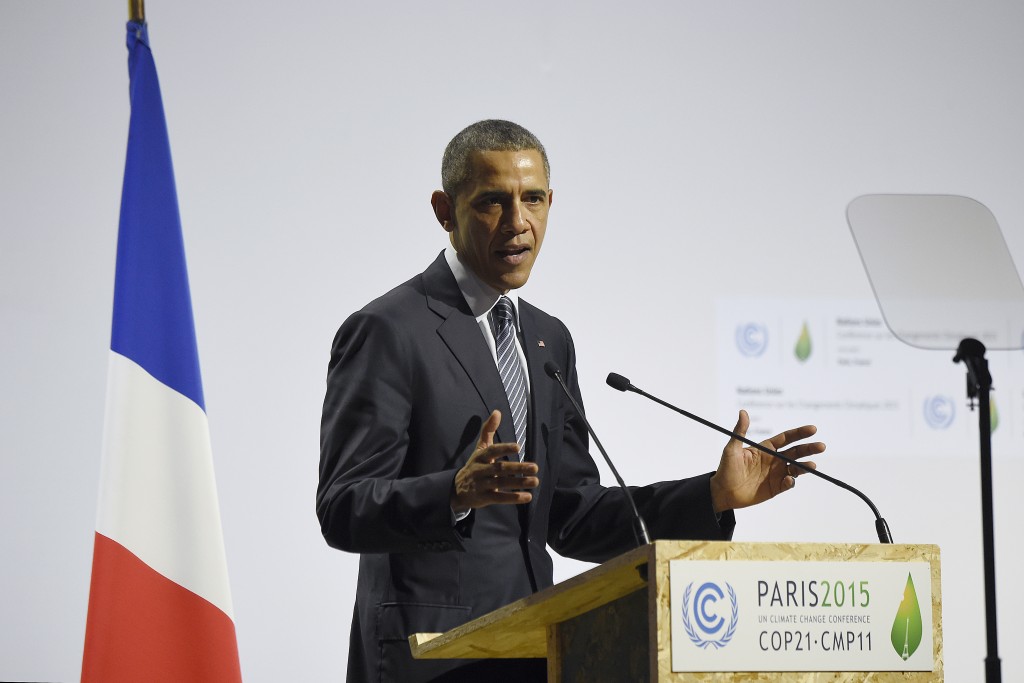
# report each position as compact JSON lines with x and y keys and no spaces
{"x":551,"y":369}
{"x":616,"y":381}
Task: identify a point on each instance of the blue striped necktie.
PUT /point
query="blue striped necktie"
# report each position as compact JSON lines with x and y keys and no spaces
{"x":503,"y":320}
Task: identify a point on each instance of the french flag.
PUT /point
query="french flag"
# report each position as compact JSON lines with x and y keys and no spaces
{"x":159,"y":601}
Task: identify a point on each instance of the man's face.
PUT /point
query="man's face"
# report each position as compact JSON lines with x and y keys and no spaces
{"x":497,"y":221}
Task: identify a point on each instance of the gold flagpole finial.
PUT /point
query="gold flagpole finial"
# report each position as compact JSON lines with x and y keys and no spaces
{"x":137,"y":10}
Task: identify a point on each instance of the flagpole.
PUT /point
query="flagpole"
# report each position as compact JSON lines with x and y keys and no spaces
{"x":137,"y":11}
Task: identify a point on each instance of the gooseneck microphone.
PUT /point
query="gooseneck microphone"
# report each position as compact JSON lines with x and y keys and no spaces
{"x":616,"y":381}
{"x":639,"y":528}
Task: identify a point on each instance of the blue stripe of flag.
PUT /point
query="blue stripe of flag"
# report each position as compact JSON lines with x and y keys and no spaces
{"x":153,"y":323}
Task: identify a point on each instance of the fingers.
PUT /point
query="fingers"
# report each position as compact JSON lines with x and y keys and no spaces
{"x":742,"y":423}
{"x":804,"y":450}
{"x":489,"y":454}
{"x":797,"y":452}
{"x":791,"y":472}
{"x":493,"y":474}
{"x":507,"y":476}
{"x":486,"y":450}
{"x":489,"y":429}
{"x":479,"y":484}
{"x":794,"y":471}
{"x":504,"y":498}
{"x":791,"y":436}
{"x":509,"y":494}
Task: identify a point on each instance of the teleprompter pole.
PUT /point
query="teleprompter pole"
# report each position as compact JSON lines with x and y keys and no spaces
{"x":979,"y":386}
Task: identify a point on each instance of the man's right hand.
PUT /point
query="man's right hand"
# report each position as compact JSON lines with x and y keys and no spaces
{"x":488,"y":478}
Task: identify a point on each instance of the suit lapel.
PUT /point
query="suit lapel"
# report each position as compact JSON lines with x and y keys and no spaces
{"x":459,"y":331}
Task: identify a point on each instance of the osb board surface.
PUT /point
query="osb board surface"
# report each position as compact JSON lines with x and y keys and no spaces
{"x":520,"y":629}
{"x":609,"y":644}
{"x":822,"y":552}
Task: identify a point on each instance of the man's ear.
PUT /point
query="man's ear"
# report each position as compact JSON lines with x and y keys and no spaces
{"x":444,"y":209}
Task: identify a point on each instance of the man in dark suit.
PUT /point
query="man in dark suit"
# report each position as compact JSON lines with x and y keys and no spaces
{"x":449,"y":460}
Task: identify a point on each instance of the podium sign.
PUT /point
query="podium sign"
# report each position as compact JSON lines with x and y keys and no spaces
{"x":800,"y":616}
{"x":717,"y":609}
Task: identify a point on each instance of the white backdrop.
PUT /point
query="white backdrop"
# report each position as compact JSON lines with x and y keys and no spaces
{"x":700,"y":151}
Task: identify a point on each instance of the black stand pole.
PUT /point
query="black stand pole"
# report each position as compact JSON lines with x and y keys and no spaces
{"x":979,"y":384}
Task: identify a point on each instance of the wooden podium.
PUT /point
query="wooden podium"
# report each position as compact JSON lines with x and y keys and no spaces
{"x":613,"y":623}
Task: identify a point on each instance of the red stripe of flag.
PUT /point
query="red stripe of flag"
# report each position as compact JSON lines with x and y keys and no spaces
{"x":162,"y":632}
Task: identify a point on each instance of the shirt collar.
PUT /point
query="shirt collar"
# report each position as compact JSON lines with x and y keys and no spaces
{"x":481,"y":297}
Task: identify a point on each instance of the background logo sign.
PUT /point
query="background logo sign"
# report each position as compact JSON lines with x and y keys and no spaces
{"x":751,"y":339}
{"x":704,"y":623}
{"x":802,"y":350}
{"x":939,"y":411}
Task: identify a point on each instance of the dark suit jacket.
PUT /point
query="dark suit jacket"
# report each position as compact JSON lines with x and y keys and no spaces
{"x":409,"y":384}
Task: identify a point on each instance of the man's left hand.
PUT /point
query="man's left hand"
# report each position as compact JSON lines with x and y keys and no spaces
{"x":747,"y":476}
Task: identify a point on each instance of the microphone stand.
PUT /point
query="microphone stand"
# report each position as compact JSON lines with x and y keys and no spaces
{"x":639,"y":526}
{"x":620,"y":383}
{"x":979,"y":385}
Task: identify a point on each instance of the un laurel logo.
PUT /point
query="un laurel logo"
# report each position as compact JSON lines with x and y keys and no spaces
{"x":939,"y":411}
{"x":751,"y":339}
{"x":711,"y":629}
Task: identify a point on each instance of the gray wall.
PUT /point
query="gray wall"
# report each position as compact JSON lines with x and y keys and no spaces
{"x":694,"y":146}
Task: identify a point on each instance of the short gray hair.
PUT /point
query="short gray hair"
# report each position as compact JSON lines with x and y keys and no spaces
{"x":490,"y":135}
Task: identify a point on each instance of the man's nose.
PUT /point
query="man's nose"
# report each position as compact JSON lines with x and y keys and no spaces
{"x":515,"y":218}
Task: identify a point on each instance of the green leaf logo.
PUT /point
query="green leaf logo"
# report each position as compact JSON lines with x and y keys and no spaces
{"x":803,"y":345}
{"x":907,"y":627}
{"x":993,"y":415}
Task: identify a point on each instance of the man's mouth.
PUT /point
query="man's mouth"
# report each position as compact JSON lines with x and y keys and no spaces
{"x":513,"y":256}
